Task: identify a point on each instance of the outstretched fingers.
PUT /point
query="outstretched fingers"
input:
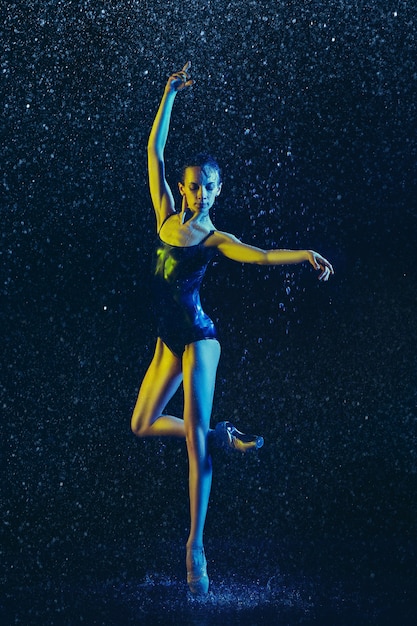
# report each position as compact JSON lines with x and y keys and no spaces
{"x":181,"y":80}
{"x":326,"y":269}
{"x":186,"y":67}
{"x":325,"y":273}
{"x":320,"y":263}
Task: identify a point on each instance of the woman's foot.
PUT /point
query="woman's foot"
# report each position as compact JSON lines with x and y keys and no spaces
{"x":228,"y":436}
{"x":197,"y":579}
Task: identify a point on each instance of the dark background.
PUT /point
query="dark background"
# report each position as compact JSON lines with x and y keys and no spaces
{"x":311,"y":109}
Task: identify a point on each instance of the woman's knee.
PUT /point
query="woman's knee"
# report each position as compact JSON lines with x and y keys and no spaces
{"x":136,"y":427}
{"x":196,"y":440}
{"x":139,"y":424}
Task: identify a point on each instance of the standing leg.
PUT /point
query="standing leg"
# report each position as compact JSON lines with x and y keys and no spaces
{"x":200,"y":362}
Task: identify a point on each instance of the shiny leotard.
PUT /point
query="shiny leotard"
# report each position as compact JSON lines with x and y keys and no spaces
{"x":178,"y":274}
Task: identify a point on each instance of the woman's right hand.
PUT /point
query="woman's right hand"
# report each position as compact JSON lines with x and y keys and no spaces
{"x":180,"y":80}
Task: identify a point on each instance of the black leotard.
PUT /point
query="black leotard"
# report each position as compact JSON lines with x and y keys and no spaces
{"x":178,"y":274}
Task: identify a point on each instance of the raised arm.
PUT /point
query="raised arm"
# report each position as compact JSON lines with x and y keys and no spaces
{"x":234,"y":249}
{"x":162,"y":198}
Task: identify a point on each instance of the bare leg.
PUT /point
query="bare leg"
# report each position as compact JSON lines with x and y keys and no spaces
{"x":164,"y":375}
{"x":161,"y":381}
{"x":200,"y":362}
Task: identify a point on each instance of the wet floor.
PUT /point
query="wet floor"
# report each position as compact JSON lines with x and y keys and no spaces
{"x":250,"y":585}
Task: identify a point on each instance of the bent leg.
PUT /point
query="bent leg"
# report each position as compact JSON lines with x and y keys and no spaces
{"x":161,"y":381}
{"x":200,"y":362}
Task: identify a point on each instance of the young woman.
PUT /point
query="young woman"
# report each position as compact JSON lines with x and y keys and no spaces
{"x":187,"y":348}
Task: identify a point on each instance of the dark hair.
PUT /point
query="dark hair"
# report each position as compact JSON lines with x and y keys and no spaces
{"x":202,"y":160}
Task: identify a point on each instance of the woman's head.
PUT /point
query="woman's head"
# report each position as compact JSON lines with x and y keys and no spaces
{"x":201,"y":183}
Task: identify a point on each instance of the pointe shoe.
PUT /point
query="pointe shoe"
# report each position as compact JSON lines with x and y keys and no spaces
{"x":197,"y":579}
{"x":229,"y":437}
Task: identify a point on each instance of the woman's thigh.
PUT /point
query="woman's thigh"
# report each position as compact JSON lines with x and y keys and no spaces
{"x":161,"y":381}
{"x":199,"y":364}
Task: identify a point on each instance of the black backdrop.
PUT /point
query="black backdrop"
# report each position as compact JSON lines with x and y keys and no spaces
{"x":310,"y":107}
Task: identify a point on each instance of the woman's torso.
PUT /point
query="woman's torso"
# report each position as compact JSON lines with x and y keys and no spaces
{"x":178,"y":271}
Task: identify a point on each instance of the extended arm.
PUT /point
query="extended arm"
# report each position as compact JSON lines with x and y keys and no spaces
{"x":234,"y":249}
{"x":162,"y":198}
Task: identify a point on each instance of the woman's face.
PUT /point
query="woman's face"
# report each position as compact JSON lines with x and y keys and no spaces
{"x":200,"y":188}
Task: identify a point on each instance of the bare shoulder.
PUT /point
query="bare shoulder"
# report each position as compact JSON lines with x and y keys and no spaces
{"x":231,"y":247}
{"x":219,"y":238}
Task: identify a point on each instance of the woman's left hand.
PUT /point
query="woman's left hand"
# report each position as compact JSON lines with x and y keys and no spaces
{"x":320,"y":263}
